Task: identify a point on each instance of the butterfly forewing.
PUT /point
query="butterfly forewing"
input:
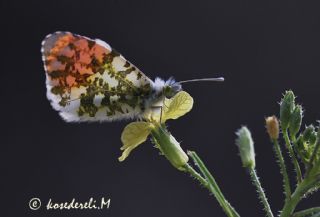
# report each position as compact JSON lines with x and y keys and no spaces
{"x":89,"y":81}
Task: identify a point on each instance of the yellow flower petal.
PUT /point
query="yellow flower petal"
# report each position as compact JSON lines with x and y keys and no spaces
{"x":177,"y":106}
{"x":133,"y":135}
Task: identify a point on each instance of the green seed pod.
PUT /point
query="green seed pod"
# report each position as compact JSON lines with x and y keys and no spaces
{"x":307,"y":133}
{"x":295,"y":120}
{"x":246,"y":148}
{"x":169,"y":147}
{"x":286,"y":109}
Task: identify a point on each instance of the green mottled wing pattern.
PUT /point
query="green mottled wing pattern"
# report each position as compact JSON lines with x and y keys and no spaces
{"x":89,"y":81}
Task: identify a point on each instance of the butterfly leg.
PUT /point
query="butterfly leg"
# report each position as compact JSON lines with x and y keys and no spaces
{"x":158,"y":107}
{"x":161,"y":109}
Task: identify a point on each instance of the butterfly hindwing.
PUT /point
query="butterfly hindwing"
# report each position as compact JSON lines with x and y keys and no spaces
{"x":89,"y":81}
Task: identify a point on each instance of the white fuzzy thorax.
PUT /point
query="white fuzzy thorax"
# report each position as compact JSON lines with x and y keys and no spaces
{"x":158,"y":85}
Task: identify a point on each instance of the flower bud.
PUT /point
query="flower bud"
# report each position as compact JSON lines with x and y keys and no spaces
{"x":286,"y":109}
{"x":313,"y":138}
{"x":246,"y":148}
{"x":307,"y":133}
{"x":272,"y":125}
{"x":302,"y":148}
{"x":295,"y":120}
{"x":300,"y":143}
{"x":169,"y":147}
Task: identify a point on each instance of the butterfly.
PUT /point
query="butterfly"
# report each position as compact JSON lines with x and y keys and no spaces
{"x":87,"y":80}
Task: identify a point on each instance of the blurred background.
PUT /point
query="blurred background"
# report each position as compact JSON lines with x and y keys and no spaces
{"x":262,"y":48}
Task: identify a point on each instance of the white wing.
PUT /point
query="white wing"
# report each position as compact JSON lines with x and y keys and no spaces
{"x":89,"y":81}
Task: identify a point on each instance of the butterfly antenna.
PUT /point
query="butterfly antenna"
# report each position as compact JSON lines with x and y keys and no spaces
{"x":201,"y":79}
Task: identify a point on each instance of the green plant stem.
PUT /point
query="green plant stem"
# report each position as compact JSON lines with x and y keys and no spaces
{"x":297,"y":195}
{"x":316,"y":215}
{"x":261,"y":193}
{"x":306,"y":212}
{"x":292,"y":155}
{"x":212,"y":185}
{"x":196,"y":175}
{"x":199,"y":163}
{"x":314,"y":154}
{"x":283,"y":169}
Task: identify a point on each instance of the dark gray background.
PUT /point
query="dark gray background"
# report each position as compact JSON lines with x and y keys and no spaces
{"x":262,"y":48}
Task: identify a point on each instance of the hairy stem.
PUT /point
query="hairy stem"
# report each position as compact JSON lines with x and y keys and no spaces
{"x":316,"y":215}
{"x":292,"y":155}
{"x":307,"y":212}
{"x":314,"y":154}
{"x":261,"y":193}
{"x":196,"y":175}
{"x":283,"y":169}
{"x":213,"y":186}
{"x":297,"y":195}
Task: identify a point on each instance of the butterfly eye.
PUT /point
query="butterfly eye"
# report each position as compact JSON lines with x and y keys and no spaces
{"x":167,"y":91}
{"x":170,"y":91}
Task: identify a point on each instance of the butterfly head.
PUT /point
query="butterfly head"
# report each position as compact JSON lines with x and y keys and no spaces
{"x":167,"y":88}
{"x":171,"y":88}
